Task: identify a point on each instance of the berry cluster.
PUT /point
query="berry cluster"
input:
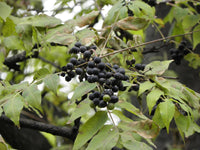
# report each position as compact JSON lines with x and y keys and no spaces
{"x":178,"y":54}
{"x":150,"y":2}
{"x":93,"y":69}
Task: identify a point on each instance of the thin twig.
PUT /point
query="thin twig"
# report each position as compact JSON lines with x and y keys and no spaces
{"x":49,"y":62}
{"x":146,"y":43}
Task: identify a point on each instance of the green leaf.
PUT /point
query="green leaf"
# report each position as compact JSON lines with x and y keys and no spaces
{"x":106,"y":139}
{"x":189,"y":21}
{"x":131,"y":108}
{"x":41,"y":74}
{"x":13,"y":42}
{"x":61,"y":38}
{"x":90,"y":128}
{"x":33,"y":96}
{"x":3,"y":146}
{"x":145,"y":128}
{"x":41,"y":21}
{"x":5,"y":10}
{"x":82,"y":89}
{"x":152,"y":98}
{"x":196,"y":36}
{"x":147,"y":85}
{"x":1,"y":59}
{"x":167,"y":110}
{"x":13,"y":107}
{"x":193,"y":59}
{"x":87,"y":19}
{"x":86,"y":36}
{"x":9,"y":28}
{"x":51,"y":82}
{"x":130,"y":143}
{"x":132,"y":23}
{"x":157,"y":67}
{"x":139,"y":7}
{"x":113,"y":13}
{"x":179,"y":13}
{"x":80,"y":110}
{"x":121,"y":115}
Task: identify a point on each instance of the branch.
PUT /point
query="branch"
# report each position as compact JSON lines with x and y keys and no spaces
{"x":49,"y":62}
{"x":146,"y":43}
{"x":31,"y":124}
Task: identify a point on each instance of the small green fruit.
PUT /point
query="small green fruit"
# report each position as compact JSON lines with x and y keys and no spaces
{"x":111,"y":106}
{"x":106,"y":98}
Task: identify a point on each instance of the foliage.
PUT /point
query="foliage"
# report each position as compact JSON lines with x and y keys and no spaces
{"x":47,"y":41}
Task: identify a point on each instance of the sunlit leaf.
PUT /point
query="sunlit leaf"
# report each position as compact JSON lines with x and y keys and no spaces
{"x":145,"y":128}
{"x":3,"y":146}
{"x":9,"y":28}
{"x":131,"y":108}
{"x":13,"y":107}
{"x":167,"y":110}
{"x":33,"y":96}
{"x":130,"y":143}
{"x":145,"y":86}
{"x":41,"y":21}
{"x":157,"y":67}
{"x":132,"y":23}
{"x":5,"y":10}
{"x":90,"y":128}
{"x":80,"y":110}
{"x":196,"y":36}
{"x":106,"y":139}
{"x":51,"y":82}
{"x":13,"y":42}
{"x":82,"y":89}
{"x":86,"y":36}
{"x":87,"y":19}
{"x":41,"y":74}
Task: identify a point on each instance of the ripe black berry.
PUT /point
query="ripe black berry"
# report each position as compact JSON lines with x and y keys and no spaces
{"x":73,"y":60}
{"x":67,"y":78}
{"x":102,"y":81}
{"x":96,"y":71}
{"x":87,"y":54}
{"x":74,"y":50}
{"x":70,"y":66}
{"x":83,"y":49}
{"x":91,"y":96}
{"x":95,"y":78}
{"x":71,"y":74}
{"x":89,"y":70}
{"x":102,"y":104}
{"x":78,"y":44}
{"x":97,"y":60}
{"x":93,"y":47}
{"x":101,"y":65}
{"x":64,"y":68}
{"x":79,"y":71}
{"x":114,"y":99}
{"x":97,"y":94}
{"x":62,"y":74}
{"x":115,"y":67}
{"x":96,"y":101}
{"x":91,"y":64}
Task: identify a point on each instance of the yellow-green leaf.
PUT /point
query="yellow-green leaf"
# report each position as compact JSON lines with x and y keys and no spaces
{"x":145,"y":86}
{"x":196,"y":36}
{"x":5,"y":10}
